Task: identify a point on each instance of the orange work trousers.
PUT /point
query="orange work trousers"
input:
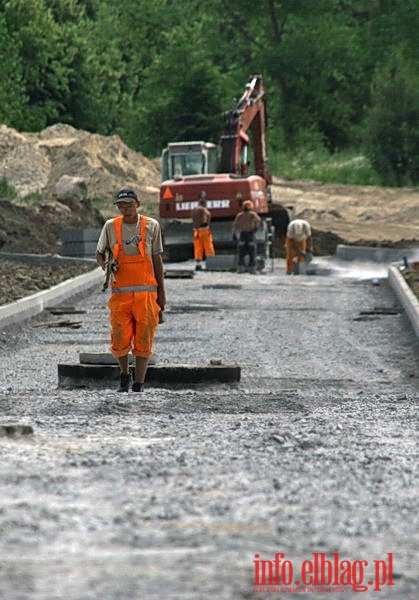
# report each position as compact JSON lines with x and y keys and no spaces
{"x":203,"y":245}
{"x":292,"y":255}
{"x":134,"y":317}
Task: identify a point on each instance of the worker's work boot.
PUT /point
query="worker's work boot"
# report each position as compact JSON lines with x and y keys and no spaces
{"x":137,"y":386}
{"x":125,"y":382}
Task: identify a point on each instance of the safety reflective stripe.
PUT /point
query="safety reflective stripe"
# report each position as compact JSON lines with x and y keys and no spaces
{"x":134,"y":288}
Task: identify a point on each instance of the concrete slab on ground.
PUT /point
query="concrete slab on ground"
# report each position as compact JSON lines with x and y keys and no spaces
{"x":106,"y":358}
{"x":73,"y":376}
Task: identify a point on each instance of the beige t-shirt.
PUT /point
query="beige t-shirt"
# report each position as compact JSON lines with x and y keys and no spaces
{"x":299,"y":230}
{"x":131,"y":236}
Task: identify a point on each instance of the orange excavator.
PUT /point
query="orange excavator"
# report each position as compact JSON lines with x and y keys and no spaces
{"x":225,"y":177}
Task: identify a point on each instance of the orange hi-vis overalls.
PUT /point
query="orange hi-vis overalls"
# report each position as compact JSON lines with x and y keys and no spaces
{"x":133,"y":307}
{"x":202,"y":243}
{"x":292,"y":255}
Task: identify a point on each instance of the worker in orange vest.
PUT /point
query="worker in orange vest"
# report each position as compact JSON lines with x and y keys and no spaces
{"x":138,"y":294}
{"x":298,"y":245}
{"x":203,"y":244}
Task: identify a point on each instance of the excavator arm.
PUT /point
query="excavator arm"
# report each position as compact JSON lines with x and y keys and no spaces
{"x":249,"y":114}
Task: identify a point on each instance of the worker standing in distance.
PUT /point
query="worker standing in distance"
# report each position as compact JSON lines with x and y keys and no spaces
{"x":203,"y":244}
{"x":298,"y":245}
{"x":138,"y":295}
{"x":246,"y":223}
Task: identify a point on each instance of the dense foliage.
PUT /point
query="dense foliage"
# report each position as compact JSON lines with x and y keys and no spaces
{"x":339,"y":74}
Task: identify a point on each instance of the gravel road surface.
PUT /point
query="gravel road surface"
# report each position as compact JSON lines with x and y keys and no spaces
{"x":172,"y":494}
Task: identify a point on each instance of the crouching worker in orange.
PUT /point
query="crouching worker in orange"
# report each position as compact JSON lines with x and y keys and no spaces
{"x":298,"y":244}
{"x":138,"y":295}
{"x":203,"y":245}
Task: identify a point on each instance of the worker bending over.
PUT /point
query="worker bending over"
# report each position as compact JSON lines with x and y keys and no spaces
{"x":246,"y":222}
{"x":298,"y":244}
{"x":138,"y":295}
{"x":202,"y":236}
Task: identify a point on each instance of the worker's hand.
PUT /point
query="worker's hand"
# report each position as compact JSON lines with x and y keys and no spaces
{"x":302,"y":254}
{"x":161,"y":299}
{"x":235,"y":238}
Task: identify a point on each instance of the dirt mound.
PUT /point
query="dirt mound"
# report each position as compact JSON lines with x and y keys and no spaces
{"x":36,"y":228}
{"x":29,"y":277}
{"x":359,"y":215}
{"x":34,"y":162}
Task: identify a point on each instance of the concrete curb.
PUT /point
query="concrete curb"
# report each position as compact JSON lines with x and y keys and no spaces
{"x":49,"y":258}
{"x":73,"y":376}
{"x":24,"y":308}
{"x":405,"y":296}
{"x":370,"y":253}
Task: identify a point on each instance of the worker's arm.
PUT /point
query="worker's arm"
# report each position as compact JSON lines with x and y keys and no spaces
{"x":309,"y":244}
{"x":235,"y":225}
{"x":234,"y":228}
{"x":101,"y":260}
{"x":103,"y":248}
{"x":159,"y":275}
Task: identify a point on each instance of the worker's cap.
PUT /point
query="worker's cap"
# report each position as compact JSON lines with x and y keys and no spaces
{"x":126,"y":194}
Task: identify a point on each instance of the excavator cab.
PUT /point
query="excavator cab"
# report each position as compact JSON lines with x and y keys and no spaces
{"x":188,"y":158}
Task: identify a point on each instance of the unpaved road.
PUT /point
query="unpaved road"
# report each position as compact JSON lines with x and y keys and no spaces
{"x":171,"y":494}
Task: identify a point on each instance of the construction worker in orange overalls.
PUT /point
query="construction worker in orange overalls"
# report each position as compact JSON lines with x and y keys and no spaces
{"x":138,"y":295}
{"x":298,"y":245}
{"x":202,"y":236}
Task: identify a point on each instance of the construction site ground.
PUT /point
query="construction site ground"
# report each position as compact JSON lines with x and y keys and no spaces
{"x":172,"y":493}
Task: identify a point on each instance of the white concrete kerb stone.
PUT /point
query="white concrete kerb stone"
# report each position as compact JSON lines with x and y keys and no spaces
{"x":405,"y":296}
{"x":24,"y":308}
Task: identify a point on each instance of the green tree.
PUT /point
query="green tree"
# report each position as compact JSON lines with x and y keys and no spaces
{"x":310,"y":59}
{"x":181,"y":96}
{"x":45,"y":59}
{"x":12,"y":92}
{"x":392,"y":125}
{"x":115,"y":50}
